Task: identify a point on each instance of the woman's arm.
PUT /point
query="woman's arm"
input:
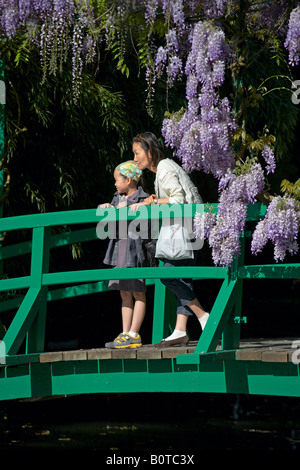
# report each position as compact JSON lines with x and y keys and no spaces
{"x":150,"y":201}
{"x":171,"y":188}
{"x":153,"y":199}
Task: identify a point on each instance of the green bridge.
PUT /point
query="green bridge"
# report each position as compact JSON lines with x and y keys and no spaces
{"x":218,"y":363}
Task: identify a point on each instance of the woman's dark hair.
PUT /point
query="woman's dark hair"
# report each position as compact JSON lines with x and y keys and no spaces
{"x":150,"y":143}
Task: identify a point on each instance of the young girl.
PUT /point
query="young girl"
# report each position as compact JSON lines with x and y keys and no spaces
{"x":125,"y":253}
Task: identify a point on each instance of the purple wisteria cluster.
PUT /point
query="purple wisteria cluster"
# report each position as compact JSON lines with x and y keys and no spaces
{"x":55,"y":27}
{"x":266,"y":15}
{"x":292,"y":42}
{"x":214,"y":8}
{"x":168,"y":58}
{"x":200,"y":135}
{"x":269,"y":158}
{"x":281,"y":226}
{"x":223,"y":230}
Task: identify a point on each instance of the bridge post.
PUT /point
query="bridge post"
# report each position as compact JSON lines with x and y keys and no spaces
{"x":30,"y":320}
{"x":232,"y":331}
{"x":2,"y":174}
{"x":225,"y":317}
{"x":2,"y":134}
{"x":39,"y":266}
{"x":164,"y":312}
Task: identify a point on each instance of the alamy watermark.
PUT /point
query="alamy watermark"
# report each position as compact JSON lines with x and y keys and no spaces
{"x":2,"y":92}
{"x":295,"y":94}
{"x":2,"y":352}
{"x":146,"y":226}
{"x":296,"y":354}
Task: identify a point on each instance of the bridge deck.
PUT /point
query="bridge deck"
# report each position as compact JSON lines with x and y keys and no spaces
{"x":257,"y":367}
{"x":265,"y":350}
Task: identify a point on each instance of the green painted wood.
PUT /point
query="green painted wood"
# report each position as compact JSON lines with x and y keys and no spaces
{"x":21,"y":359}
{"x":164,"y":312}
{"x":222,"y":375}
{"x":50,"y":219}
{"x":232,"y":329}
{"x":270,"y":271}
{"x":22,"y":321}
{"x":64,"y":293}
{"x":11,"y":304}
{"x":69,"y":277}
{"x":218,"y":317}
{"x":93,"y":216}
{"x":39,"y":264}
{"x":159,"y":327}
{"x":205,"y":370}
{"x":2,"y":174}
{"x":56,"y":241}
{"x":15,"y":283}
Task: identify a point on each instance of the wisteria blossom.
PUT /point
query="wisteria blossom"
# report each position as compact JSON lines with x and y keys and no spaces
{"x":214,"y":8}
{"x":292,"y":42}
{"x":266,"y":15}
{"x":280,"y":226}
{"x":53,"y":20}
{"x":201,"y":137}
{"x":269,"y":157}
{"x":244,"y":187}
{"x":224,"y":230}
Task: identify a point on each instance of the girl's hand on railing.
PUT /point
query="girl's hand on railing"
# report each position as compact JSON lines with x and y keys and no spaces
{"x":134,"y":207}
{"x":105,"y":205}
{"x":121,"y":204}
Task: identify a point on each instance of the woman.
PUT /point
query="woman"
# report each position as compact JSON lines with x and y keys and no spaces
{"x":172,"y":186}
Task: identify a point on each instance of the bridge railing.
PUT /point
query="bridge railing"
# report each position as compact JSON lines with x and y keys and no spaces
{"x":29,"y":321}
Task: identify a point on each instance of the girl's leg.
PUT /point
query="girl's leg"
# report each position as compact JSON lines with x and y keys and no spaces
{"x":127,"y":309}
{"x":139,"y":311}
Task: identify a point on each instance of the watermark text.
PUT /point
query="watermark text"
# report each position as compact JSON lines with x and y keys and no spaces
{"x":152,"y":459}
{"x":2,"y":352}
{"x":296,"y":354}
{"x":296,"y":93}
{"x":2,"y":92}
{"x":115,"y":224}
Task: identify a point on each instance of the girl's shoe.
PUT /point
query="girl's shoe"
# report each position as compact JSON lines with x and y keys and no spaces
{"x":125,"y":341}
{"x":111,"y":343}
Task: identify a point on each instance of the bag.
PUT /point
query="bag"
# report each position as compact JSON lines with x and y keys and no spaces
{"x":151,"y":247}
{"x":150,"y":251}
{"x":173,"y":243}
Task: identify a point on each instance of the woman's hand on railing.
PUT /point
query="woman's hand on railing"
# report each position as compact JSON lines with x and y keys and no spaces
{"x":150,"y":200}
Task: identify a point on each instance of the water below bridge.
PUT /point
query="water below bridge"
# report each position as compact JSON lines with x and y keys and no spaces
{"x":153,"y":424}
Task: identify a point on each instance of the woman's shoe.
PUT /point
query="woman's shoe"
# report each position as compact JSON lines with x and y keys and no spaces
{"x":166,"y":343}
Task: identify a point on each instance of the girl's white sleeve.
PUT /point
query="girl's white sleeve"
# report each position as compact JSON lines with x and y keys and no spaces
{"x":170,"y":186}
